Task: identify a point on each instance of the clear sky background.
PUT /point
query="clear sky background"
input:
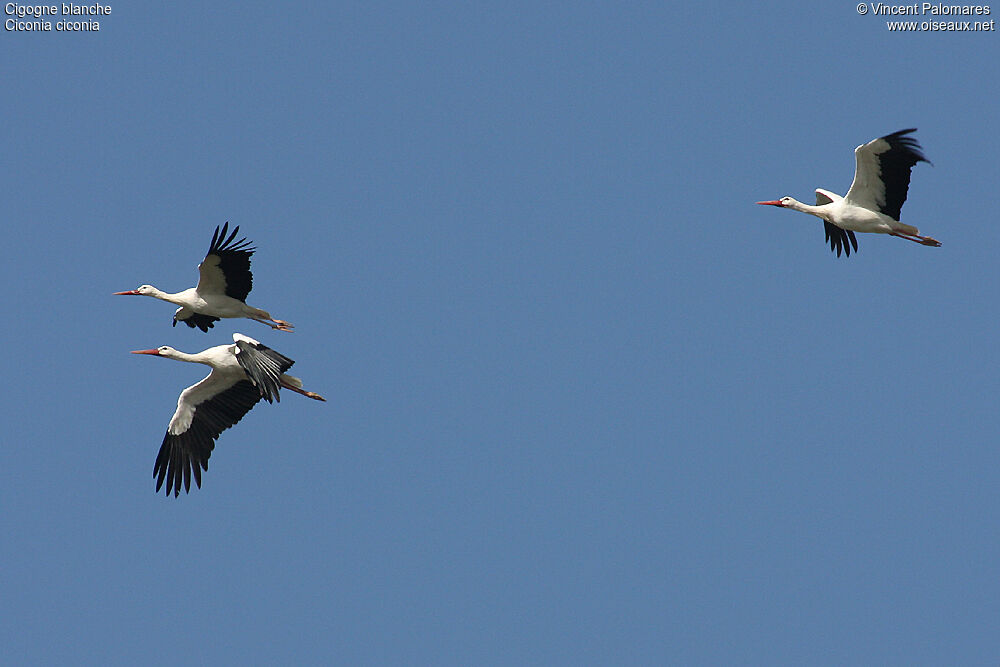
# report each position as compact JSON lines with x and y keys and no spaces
{"x":588,"y":404}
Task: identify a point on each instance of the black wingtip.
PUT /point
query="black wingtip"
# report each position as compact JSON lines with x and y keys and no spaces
{"x":218,"y":233}
{"x":222,"y":243}
{"x":232,"y":236}
{"x":910,"y":144}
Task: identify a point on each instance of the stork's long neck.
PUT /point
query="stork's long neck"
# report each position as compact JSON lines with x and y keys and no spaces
{"x":168,"y":296}
{"x":818,"y":211}
{"x":196,"y":358}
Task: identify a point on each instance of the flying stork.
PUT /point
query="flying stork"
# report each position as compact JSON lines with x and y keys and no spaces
{"x":881,"y":179}
{"x":222,"y":289}
{"x":242,"y":374}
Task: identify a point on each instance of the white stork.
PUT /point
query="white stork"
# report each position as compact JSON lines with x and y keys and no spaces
{"x":242,"y":374}
{"x":222,"y":289}
{"x":881,"y":180}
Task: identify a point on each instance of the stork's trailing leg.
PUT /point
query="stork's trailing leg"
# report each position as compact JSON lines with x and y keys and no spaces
{"x":917,"y":238}
{"x":293,"y":383}
{"x":262,"y":316}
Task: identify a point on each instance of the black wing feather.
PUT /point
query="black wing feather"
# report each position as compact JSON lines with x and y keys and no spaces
{"x":197,"y":320}
{"x":187,"y":453}
{"x":840,"y":239}
{"x":895,"y":165}
{"x":234,"y":261}
{"x":263,"y":366}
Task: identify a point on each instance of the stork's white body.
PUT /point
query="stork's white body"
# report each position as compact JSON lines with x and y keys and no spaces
{"x":224,"y":282}
{"x":207,"y":302}
{"x":872,"y":205}
{"x":848,"y":215}
{"x":242,"y":374}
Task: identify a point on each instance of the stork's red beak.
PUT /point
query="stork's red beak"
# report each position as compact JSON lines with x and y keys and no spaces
{"x":776,"y":202}
{"x":131,"y":291}
{"x":153,"y":352}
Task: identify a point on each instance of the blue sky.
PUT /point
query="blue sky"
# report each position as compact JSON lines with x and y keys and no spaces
{"x":588,"y":404}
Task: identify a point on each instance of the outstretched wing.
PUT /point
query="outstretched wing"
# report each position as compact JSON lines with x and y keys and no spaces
{"x":262,"y":365}
{"x":882,"y":173}
{"x":226,"y":267}
{"x":204,"y":411}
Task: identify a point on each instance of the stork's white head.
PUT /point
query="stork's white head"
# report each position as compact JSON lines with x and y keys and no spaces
{"x":783,"y":202}
{"x":144,"y":290}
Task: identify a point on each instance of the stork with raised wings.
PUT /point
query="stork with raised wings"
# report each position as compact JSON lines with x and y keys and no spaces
{"x":881,"y":181}
{"x":242,"y":374}
{"x":224,"y":283}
